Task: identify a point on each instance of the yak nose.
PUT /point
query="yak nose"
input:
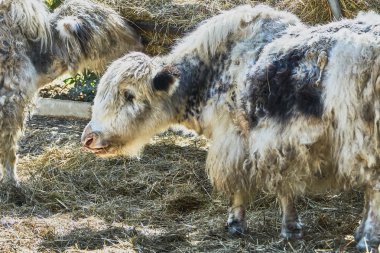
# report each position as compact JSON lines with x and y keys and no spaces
{"x":88,"y":140}
{"x":89,"y":137}
{"x":92,"y":139}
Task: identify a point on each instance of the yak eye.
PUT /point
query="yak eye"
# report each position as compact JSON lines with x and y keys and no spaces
{"x":128,"y":96}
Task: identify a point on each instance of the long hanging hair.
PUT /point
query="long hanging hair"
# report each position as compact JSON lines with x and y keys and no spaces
{"x":90,"y":34}
{"x":31,"y":16}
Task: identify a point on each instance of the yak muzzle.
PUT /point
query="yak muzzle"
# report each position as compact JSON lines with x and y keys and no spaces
{"x":92,"y":141}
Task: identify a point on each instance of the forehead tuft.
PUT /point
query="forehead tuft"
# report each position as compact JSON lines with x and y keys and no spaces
{"x":67,"y":26}
{"x":132,"y":66}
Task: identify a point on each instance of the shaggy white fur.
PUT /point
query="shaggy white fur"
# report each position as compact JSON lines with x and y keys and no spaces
{"x":282,"y":111}
{"x":32,"y":18}
{"x":37,"y":46}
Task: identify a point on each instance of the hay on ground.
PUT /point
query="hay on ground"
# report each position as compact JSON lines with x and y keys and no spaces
{"x":161,"y":22}
{"x":71,"y":201}
{"x":319,"y":12}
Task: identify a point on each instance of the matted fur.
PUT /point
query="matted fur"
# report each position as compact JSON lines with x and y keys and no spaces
{"x":288,"y":108}
{"x":243,"y":24}
{"x":85,"y":34}
{"x":30,"y":16}
{"x":214,"y":33}
{"x":341,"y":143}
{"x":37,"y":46}
{"x":90,"y":35}
{"x":18,"y":76}
{"x":195,"y":85}
{"x":324,"y":133}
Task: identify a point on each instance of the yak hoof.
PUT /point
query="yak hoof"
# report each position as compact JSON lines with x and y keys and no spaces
{"x":236,"y":227}
{"x":364,"y":244}
{"x":14,"y":182}
{"x":292,"y":231}
{"x":359,"y":233}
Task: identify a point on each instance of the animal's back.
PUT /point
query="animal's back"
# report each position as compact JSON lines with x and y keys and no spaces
{"x":304,"y":102}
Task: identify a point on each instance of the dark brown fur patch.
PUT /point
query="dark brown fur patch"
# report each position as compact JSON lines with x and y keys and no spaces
{"x":368,"y":113}
{"x":286,"y":86}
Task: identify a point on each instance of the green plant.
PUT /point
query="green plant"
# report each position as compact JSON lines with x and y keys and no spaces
{"x":52,"y":4}
{"x":82,"y":86}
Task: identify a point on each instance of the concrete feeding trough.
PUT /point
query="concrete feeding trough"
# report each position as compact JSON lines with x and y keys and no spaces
{"x":62,"y":108}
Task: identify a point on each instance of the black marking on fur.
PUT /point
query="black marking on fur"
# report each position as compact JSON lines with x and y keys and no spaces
{"x":192,"y":83}
{"x":41,"y":60}
{"x":355,"y":26}
{"x":1,"y":81}
{"x":284,"y":87}
{"x":368,"y":112}
{"x":3,"y":52}
{"x":5,"y":47}
{"x":163,"y":80}
{"x":83,"y":33}
{"x":200,"y":81}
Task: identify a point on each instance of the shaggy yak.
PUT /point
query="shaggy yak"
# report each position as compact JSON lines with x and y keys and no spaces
{"x":37,"y":46}
{"x":289,"y":109}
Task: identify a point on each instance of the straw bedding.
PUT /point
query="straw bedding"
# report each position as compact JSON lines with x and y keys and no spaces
{"x":161,"y":22}
{"x":71,"y":201}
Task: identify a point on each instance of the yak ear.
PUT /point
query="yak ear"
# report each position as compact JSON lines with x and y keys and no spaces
{"x":165,"y":79}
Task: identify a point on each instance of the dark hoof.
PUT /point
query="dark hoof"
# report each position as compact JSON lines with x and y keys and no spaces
{"x":292,"y":231}
{"x":236,"y":227}
{"x":16,"y":183}
{"x":367,"y":246}
{"x":359,"y":233}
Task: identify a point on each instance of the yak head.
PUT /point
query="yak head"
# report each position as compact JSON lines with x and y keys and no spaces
{"x":88,"y":34}
{"x":133,"y":103}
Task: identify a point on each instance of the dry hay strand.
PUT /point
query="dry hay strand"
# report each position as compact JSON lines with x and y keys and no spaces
{"x":70,"y":179}
{"x":71,"y":201}
{"x":318,"y":11}
{"x":161,"y":22}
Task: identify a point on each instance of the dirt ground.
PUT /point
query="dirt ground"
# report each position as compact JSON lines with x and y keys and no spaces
{"x":71,"y":201}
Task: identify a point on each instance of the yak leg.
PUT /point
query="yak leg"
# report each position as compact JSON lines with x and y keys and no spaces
{"x":370,"y":229}
{"x":291,"y":227}
{"x":8,"y":159}
{"x":17,"y":89}
{"x":11,"y":126}
{"x":360,"y":229}
{"x":10,"y":163}
{"x":236,"y":223}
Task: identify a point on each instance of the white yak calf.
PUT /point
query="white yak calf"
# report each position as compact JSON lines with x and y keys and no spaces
{"x":37,"y":46}
{"x":288,"y":109}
